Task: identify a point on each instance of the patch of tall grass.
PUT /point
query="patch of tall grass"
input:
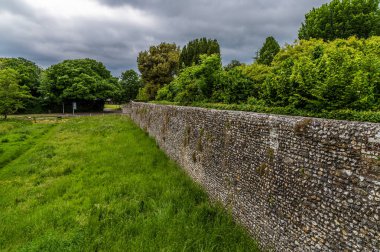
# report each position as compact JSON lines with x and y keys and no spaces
{"x":18,"y":135}
{"x":101,"y":184}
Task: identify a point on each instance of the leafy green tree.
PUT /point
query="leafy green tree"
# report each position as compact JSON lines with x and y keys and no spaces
{"x":190,"y":53}
{"x":130,"y":84}
{"x":317,"y":76}
{"x":257,"y":74}
{"x":157,"y":66}
{"x":29,"y":72}
{"x":12,"y":95}
{"x":342,"y":19}
{"x":29,"y":75}
{"x":268,"y":51}
{"x":195,"y":83}
{"x":77,"y":80}
{"x":241,"y":83}
{"x":233,"y":87}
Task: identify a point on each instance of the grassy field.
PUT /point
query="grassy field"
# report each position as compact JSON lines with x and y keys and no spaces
{"x":17,"y":136}
{"x":101,"y":184}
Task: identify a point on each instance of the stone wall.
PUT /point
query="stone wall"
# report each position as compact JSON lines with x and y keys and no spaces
{"x":297,"y":184}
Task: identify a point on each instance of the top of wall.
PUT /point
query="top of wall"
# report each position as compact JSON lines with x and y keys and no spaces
{"x":265,"y":115}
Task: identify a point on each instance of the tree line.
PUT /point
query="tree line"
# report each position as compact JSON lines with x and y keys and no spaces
{"x":311,"y":75}
{"x":27,"y":88}
{"x":334,"y":65}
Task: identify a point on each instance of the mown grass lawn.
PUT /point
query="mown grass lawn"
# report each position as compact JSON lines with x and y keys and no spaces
{"x":101,"y":184}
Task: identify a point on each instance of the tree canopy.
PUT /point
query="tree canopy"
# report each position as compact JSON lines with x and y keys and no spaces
{"x":79,"y":79}
{"x":310,"y":75}
{"x":130,"y":83}
{"x":157,"y":66}
{"x":190,"y":53}
{"x":194,"y":83}
{"x":12,"y":94}
{"x":317,"y":76}
{"x":28,"y":72}
{"x":268,"y":51}
{"x":342,"y":19}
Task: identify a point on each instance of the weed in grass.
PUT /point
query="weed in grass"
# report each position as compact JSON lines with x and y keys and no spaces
{"x":6,"y":126}
{"x":22,"y":138}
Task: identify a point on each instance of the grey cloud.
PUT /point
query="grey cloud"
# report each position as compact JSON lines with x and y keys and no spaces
{"x":16,"y":7}
{"x":240,"y":26}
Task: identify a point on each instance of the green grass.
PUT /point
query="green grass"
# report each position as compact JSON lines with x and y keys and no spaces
{"x":112,"y":106}
{"x":101,"y":184}
{"x":17,"y":136}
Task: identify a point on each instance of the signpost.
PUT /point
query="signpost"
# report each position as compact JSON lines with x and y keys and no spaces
{"x":74,"y":107}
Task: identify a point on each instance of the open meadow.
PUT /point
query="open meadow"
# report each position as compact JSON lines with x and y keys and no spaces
{"x":101,"y":184}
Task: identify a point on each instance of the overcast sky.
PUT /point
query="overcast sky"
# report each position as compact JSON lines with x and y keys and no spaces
{"x":114,"y":31}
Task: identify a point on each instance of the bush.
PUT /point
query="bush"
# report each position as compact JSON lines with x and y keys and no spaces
{"x":317,"y":76}
{"x":309,"y":78}
{"x":345,"y":114}
{"x":195,"y":83}
{"x":234,"y":86}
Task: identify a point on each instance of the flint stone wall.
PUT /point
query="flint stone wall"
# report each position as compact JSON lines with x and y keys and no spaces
{"x":297,"y":184}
